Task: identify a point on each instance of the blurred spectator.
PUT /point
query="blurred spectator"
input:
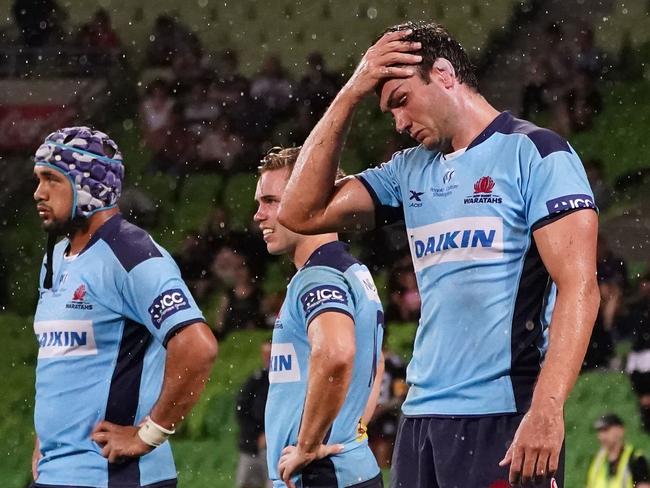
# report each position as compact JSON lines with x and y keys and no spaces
{"x":102,"y":36}
{"x":382,"y":429}
{"x":40,"y":22}
{"x":272,"y":87}
{"x":404,"y":296}
{"x":590,"y":60}
{"x":156,"y":115}
{"x":612,"y":280}
{"x":169,"y":38}
{"x":611,"y":268}
{"x":637,"y":321}
{"x":583,"y":102}
{"x":219,"y":149}
{"x":617,"y":464}
{"x":603,"y":192}
{"x":251,"y":402}
{"x":239,"y":306}
{"x":316,"y":90}
{"x":177,"y":153}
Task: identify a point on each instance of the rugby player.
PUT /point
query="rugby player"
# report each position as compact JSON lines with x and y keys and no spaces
{"x":502,"y":229}
{"x":124,"y":352}
{"x":325,"y":356}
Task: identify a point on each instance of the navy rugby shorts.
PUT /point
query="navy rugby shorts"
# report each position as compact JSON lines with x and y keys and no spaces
{"x":461,"y":452}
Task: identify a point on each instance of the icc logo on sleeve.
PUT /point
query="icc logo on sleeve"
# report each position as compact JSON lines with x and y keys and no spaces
{"x":321,"y":295}
{"x":166,"y":305}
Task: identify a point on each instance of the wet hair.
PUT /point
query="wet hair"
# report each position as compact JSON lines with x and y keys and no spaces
{"x":279,"y":157}
{"x":437,"y":42}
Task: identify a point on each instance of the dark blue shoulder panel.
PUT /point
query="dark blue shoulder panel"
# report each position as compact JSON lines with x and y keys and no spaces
{"x":334,"y":254}
{"x":546,"y":141}
{"x":130,"y":244}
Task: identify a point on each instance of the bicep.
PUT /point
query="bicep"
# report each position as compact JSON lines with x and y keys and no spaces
{"x":332,"y":332}
{"x":567,"y":247}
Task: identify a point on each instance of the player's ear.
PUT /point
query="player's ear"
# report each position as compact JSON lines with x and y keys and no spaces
{"x":445,"y":71}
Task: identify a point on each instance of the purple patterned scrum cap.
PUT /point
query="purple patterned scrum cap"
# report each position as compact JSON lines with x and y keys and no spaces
{"x":92,"y":162}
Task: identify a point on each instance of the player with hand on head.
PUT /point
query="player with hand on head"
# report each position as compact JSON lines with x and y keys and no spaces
{"x":124,"y":352}
{"x":326,"y":353}
{"x":502,"y":230}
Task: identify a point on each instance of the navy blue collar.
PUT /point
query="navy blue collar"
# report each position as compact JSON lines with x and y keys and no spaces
{"x":109,"y":227}
{"x":335,"y":254}
{"x":499,"y":124}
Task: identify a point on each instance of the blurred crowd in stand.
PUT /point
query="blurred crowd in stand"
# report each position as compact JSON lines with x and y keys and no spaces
{"x":561,"y":78}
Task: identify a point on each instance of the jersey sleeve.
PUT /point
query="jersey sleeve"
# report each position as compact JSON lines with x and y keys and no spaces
{"x":383,"y":185}
{"x":322,"y":290}
{"x":156,"y":296}
{"x":557,"y":185}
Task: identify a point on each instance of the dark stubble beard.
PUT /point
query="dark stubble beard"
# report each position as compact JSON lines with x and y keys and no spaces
{"x":66,"y":227}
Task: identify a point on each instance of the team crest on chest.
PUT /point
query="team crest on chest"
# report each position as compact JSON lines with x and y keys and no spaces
{"x":79,"y":301}
{"x":483,"y":192}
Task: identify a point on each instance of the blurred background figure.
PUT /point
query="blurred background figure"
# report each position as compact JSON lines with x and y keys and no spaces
{"x":617,"y":464}
{"x":637,"y":319}
{"x":251,"y":401}
{"x":382,"y":429}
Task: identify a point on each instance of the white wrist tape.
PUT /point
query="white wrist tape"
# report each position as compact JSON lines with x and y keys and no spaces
{"x":153,"y":434}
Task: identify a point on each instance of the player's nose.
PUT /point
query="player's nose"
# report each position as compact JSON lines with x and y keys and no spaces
{"x":402,"y":123}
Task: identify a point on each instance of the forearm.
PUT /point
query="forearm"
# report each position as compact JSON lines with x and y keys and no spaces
{"x":327,"y":387}
{"x":317,"y":165}
{"x":190,"y":355}
{"x":571,"y":325}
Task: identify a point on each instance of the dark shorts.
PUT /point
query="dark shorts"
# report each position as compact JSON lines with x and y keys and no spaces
{"x":160,"y":484}
{"x":434,"y":452}
{"x":313,"y":481}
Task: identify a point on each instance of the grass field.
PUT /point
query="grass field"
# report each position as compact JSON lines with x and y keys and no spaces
{"x":205,"y":448}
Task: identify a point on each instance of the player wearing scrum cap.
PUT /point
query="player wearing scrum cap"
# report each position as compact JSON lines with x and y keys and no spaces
{"x":124,"y":352}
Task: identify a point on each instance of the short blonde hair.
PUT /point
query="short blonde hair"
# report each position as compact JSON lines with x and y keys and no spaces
{"x":285,"y":157}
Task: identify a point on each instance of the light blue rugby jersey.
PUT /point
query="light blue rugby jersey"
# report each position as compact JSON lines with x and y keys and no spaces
{"x":331,"y":280}
{"x":486,"y":295}
{"x":101,"y":332}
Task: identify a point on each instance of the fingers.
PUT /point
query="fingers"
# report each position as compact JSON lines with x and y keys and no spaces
{"x":394,"y":36}
{"x":507,"y":459}
{"x":553,"y":461}
{"x":392,"y":58}
{"x":104,"y":426}
{"x":100,"y":438}
{"x":329,"y":450}
{"x":528,"y":467}
{"x":541,"y":470}
{"x":516,"y":464}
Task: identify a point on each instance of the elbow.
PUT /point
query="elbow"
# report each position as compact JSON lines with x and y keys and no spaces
{"x":210,"y":351}
{"x":291,"y":220}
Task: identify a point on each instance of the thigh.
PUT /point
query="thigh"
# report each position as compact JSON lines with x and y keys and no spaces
{"x":376,"y":482}
{"x":478,"y":445}
{"x":413,"y":464}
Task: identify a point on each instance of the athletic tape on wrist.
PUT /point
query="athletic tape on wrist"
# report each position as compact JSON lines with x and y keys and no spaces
{"x":153,"y":434}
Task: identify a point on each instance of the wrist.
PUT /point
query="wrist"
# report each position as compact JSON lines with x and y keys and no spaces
{"x":547,"y":402}
{"x":152,"y":433}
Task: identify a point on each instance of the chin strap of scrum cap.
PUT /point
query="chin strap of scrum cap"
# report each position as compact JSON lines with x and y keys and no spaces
{"x":49,"y":267}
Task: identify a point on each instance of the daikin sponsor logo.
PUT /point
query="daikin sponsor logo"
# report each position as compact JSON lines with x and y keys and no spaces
{"x":283,"y":367}
{"x":58,"y":338}
{"x":464,"y":239}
